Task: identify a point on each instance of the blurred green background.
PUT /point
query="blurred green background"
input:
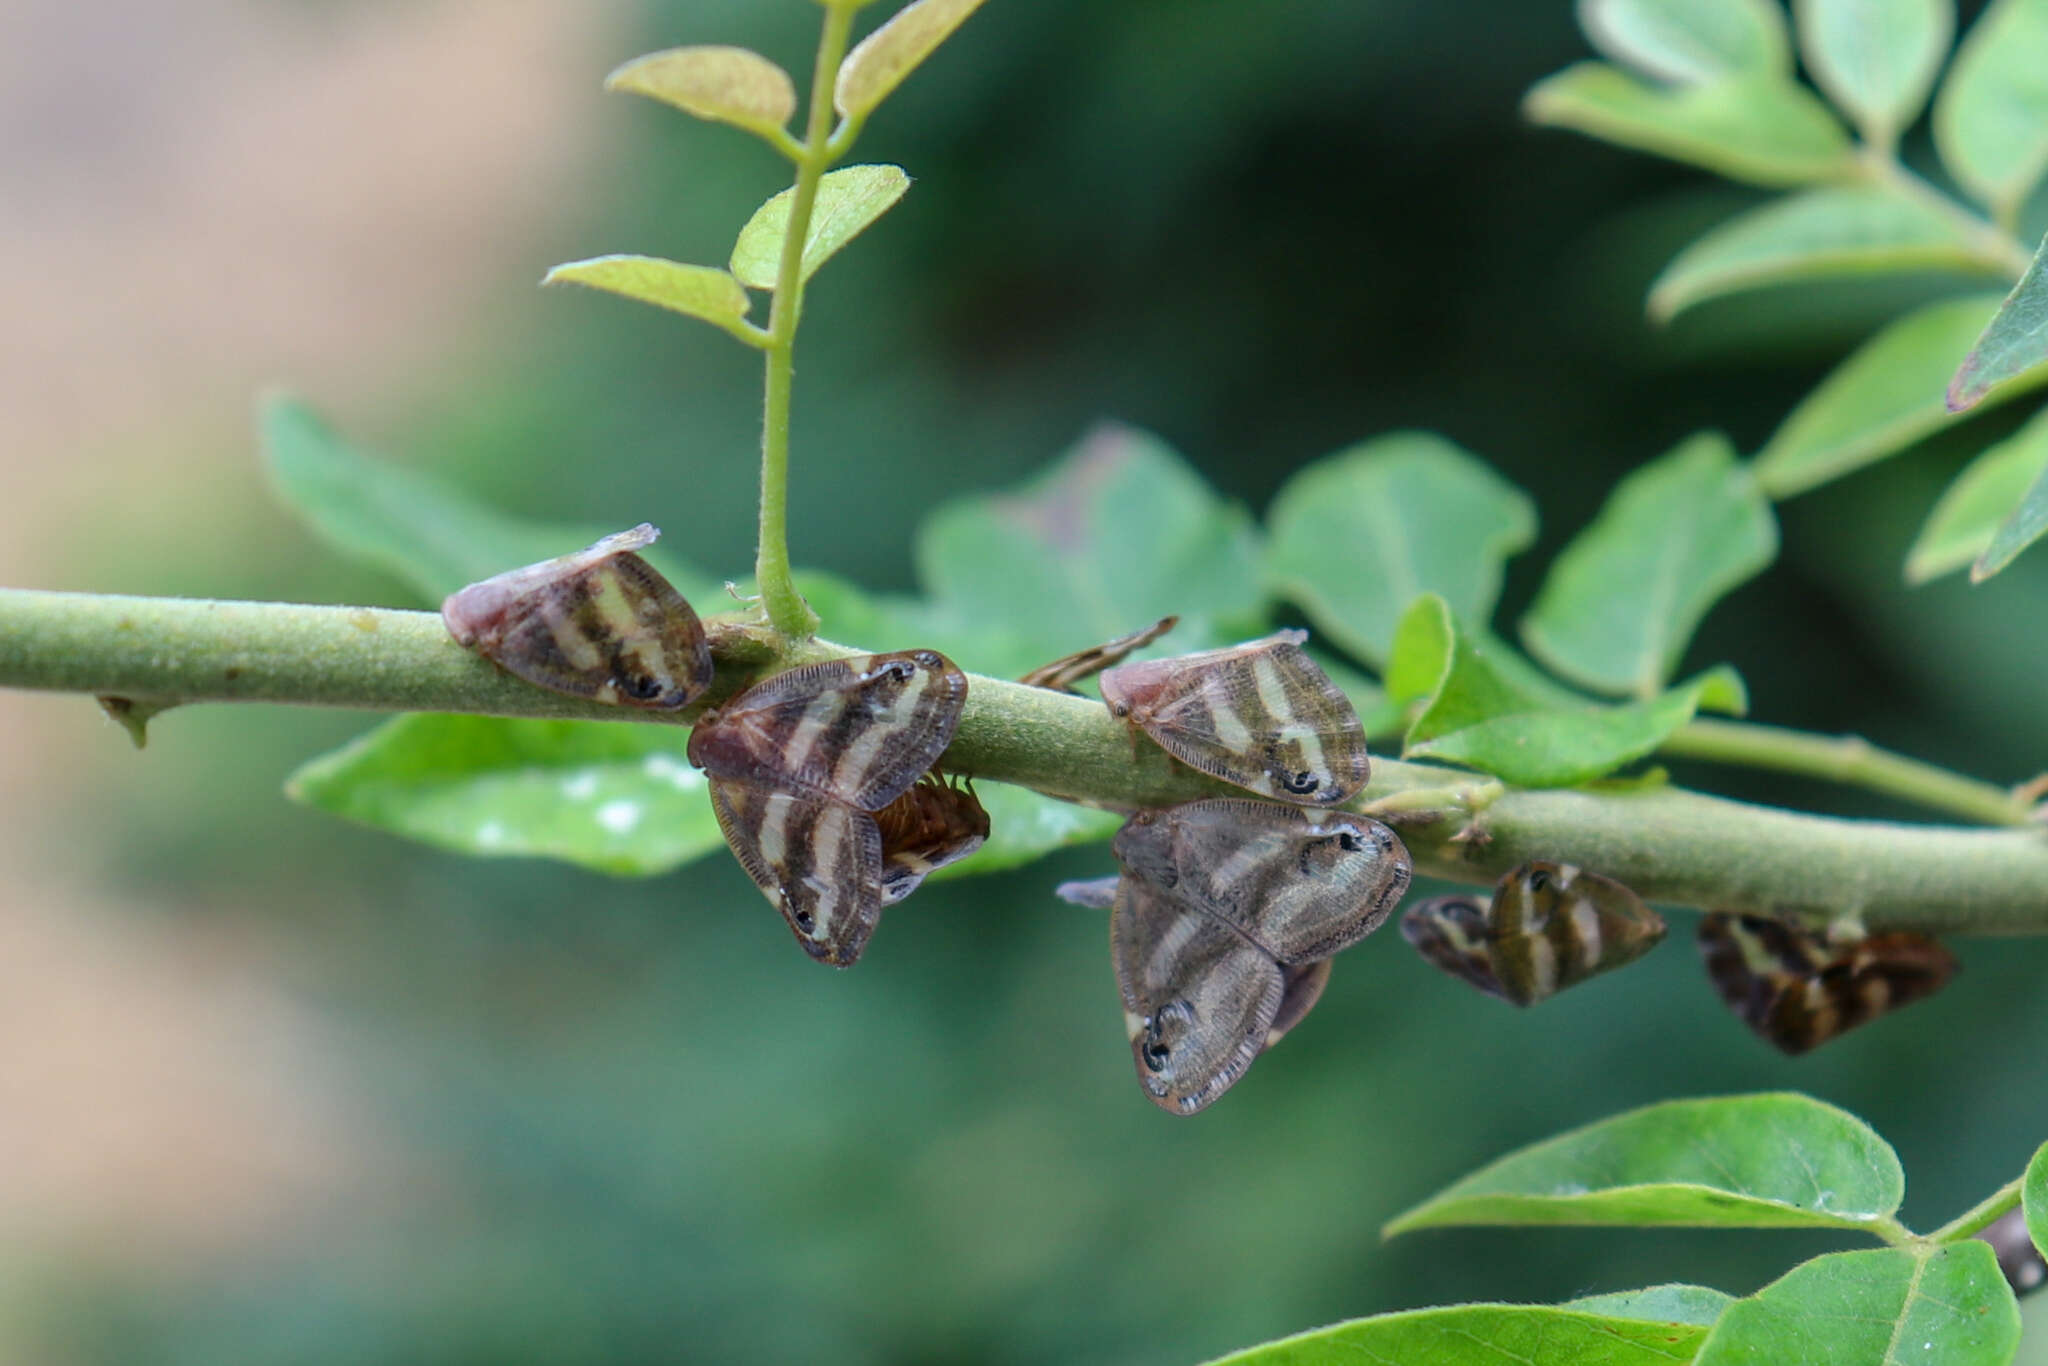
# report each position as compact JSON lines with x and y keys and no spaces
{"x":274,"y":1089}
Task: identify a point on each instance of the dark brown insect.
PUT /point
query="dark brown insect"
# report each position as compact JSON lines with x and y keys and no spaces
{"x":1798,"y":991}
{"x":800,"y":763}
{"x":928,"y":827}
{"x":1062,"y":674}
{"x":1548,"y":926}
{"x":601,"y":623}
{"x":1223,"y":920}
{"x":1261,"y":715}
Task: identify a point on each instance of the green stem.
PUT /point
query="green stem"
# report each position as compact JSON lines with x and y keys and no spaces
{"x":1848,"y":759}
{"x":1671,"y":845}
{"x":1980,"y":1215}
{"x":787,"y":611}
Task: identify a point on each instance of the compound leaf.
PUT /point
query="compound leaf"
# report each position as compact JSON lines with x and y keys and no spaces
{"x":883,"y":58}
{"x":2015,"y":341}
{"x":2034,"y":1198}
{"x":724,"y":84}
{"x":1696,"y":1304}
{"x":1771,"y":1160}
{"x":1876,"y":59}
{"x":703,"y":292}
{"x":1991,"y":118}
{"x":1687,"y":43}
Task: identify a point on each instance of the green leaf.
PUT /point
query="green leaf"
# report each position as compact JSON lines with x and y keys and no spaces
{"x":1687,"y":43}
{"x":1763,"y":130}
{"x":409,"y":524}
{"x":2015,"y":341}
{"x":1773,"y":1160}
{"x":848,"y":200}
{"x":1817,"y":234}
{"x":1991,"y":119}
{"x":1117,"y":534}
{"x":615,"y":797}
{"x":1882,"y":399}
{"x":700,"y":291}
{"x":1696,"y":1304}
{"x":1359,"y":534}
{"x":1969,"y":512}
{"x":1481,"y":1335}
{"x":1622,"y":601}
{"x":2018,"y":531}
{"x":1479,"y":716}
{"x":2034,"y":1198}
{"x":725,"y":84}
{"x":881,"y":61}
{"x":1943,"y":1306}
{"x":1876,"y":59}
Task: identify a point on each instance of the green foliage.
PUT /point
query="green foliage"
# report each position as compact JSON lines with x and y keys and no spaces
{"x":1687,"y":43}
{"x":1483,"y":1335}
{"x":1762,"y":1161}
{"x":848,"y":201}
{"x":1876,"y":59}
{"x":1626,"y":595}
{"x":2034,"y":1199}
{"x":615,"y":799}
{"x":1991,"y":120}
{"x":1697,"y":1304}
{"x":1947,"y":1306}
{"x":704,"y":292}
{"x":2014,"y":343}
{"x":1970,"y":511}
{"x":1358,"y":536}
{"x":1813,"y":235}
{"x":723,"y":84}
{"x":876,"y":67}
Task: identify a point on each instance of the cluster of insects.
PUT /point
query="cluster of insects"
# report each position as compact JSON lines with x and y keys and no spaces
{"x":1226,"y":912}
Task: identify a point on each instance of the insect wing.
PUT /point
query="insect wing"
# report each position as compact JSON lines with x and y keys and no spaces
{"x":1095,"y":893}
{"x":858,"y":730}
{"x":1301,"y":987}
{"x":817,"y":861}
{"x":1797,"y":991}
{"x":928,"y":827}
{"x":1301,"y":884}
{"x":1199,"y":1002}
{"x":1062,"y":674}
{"x":1260,"y":715}
{"x":601,"y":623}
{"x":1552,"y":925}
{"x":1451,"y":932}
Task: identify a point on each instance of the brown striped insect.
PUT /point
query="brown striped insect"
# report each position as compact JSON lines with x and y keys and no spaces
{"x":933,"y":824}
{"x":1548,"y":926}
{"x":1261,"y":715}
{"x":1797,"y":991}
{"x":1062,"y":674}
{"x":601,"y":623}
{"x":800,"y":763}
{"x":1222,"y":923}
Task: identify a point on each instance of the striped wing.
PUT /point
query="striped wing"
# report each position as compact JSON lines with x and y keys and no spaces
{"x":1199,"y":1001}
{"x":1302,"y":884}
{"x":601,"y":623}
{"x":1451,"y":932}
{"x":1261,"y":715}
{"x":928,"y":827}
{"x":819,"y":862}
{"x":858,"y":730}
{"x":1554,"y":925}
{"x":1797,"y":991}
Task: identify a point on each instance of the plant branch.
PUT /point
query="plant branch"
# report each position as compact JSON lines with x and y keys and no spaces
{"x":787,"y":611}
{"x":1851,"y":760}
{"x":1993,"y":243}
{"x":1671,"y":845}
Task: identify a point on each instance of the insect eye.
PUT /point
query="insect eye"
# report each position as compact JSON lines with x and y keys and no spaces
{"x":1302,"y":783}
{"x":1155,"y":1051}
{"x":643,"y":686}
{"x":1539,"y":879}
{"x":1349,"y":842}
{"x":805,"y":921}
